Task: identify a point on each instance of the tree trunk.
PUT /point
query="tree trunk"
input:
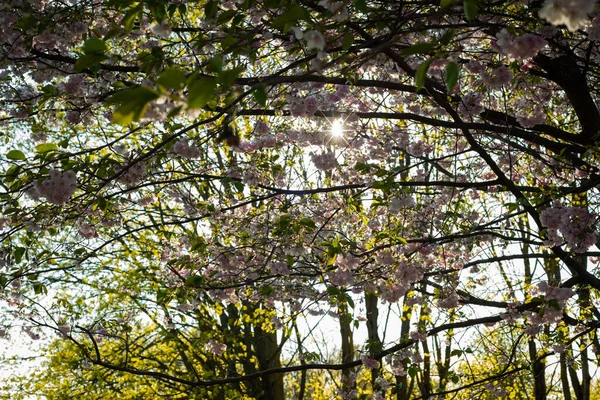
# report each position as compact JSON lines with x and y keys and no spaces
{"x":371,"y":301}
{"x":348,"y":384}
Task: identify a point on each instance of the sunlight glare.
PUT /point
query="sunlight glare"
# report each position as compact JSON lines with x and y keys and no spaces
{"x":337,"y":128}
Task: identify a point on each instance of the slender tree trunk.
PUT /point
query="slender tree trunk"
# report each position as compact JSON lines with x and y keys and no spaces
{"x":404,"y":387}
{"x":302,"y":388}
{"x":268,"y":354}
{"x":348,"y":384}
{"x":425,"y":385}
{"x":538,"y":370}
{"x":371,"y":301}
{"x":538,"y":365}
{"x":254,"y":385}
{"x":230,"y":322}
{"x":564,"y":377}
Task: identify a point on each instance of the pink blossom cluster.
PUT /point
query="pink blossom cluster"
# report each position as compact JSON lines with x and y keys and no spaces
{"x":537,"y":117}
{"x":519,"y":48}
{"x":475,"y":67}
{"x":279,"y":268}
{"x":496,"y":390}
{"x":74,"y":86}
{"x":307,"y":107}
{"x":87,"y":231}
{"x":450,"y":300}
{"x":261,"y":128}
{"x":59,"y":188}
{"x":398,"y":360}
{"x":571,"y":225}
{"x":263,"y":142}
{"x":314,"y":40}
{"x":341,"y":277}
{"x":186,"y":150}
{"x":133,"y":175}
{"x":398,"y":203}
{"x":498,"y":77}
{"x":408,"y":272}
{"x":392,"y":291}
{"x":338,"y":10}
{"x":561,"y":295}
{"x":572,"y":13}
{"x":369,"y":362}
{"x":471,"y":104}
{"x":215,"y":347}
{"x":324,"y":161}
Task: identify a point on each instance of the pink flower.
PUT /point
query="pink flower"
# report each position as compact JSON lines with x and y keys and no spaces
{"x":520,"y":48}
{"x":369,"y":362}
{"x":215,"y":347}
{"x":498,"y":78}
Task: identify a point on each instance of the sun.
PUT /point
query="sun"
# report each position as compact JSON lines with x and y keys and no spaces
{"x":337,"y":129}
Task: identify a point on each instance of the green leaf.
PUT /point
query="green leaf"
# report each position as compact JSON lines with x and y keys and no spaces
{"x":19,"y":252}
{"x":215,"y":64}
{"x":194,"y":281}
{"x":26,"y":23}
{"x":15,"y":155}
{"x":227,"y":78}
{"x":94,"y":46}
{"x":161,"y":296}
{"x":46,"y":147}
{"x":308,"y":222}
{"x":260,"y":95}
{"x":210,"y":10}
{"x":361,"y":5}
{"x":451,"y":75}
{"x":456,"y":352}
{"x":88,"y":60}
{"x":421,"y":73}
{"x":157,"y":10}
{"x":173,"y":78}
{"x":200,"y":92}
{"x":132,"y":103}
{"x":471,"y":9}
{"x":349,"y":300}
{"x":333,"y":290}
{"x":447,"y":37}
{"x":419,"y":48}
{"x":347,"y":41}
{"x":228,"y":41}
{"x":225,"y":16}
{"x":128,"y":20}
{"x":102,"y":203}
{"x":412,"y":371}
{"x":445,"y":4}
{"x":239,"y":186}
{"x":290,"y":17}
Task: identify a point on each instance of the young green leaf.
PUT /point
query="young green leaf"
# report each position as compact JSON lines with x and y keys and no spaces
{"x":452,"y":72}
{"x":347,"y":41}
{"x":132,"y":103}
{"x":172,"y":78}
{"x":94,"y":46}
{"x":46,"y":147}
{"x":421,"y":73}
{"x":419,"y":48}
{"x":200,"y":92}
{"x":15,"y":155}
{"x":445,"y":4}
{"x":260,"y":95}
{"x":471,"y":9}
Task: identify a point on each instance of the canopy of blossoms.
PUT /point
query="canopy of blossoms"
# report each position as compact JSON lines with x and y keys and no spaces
{"x":163,"y":157}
